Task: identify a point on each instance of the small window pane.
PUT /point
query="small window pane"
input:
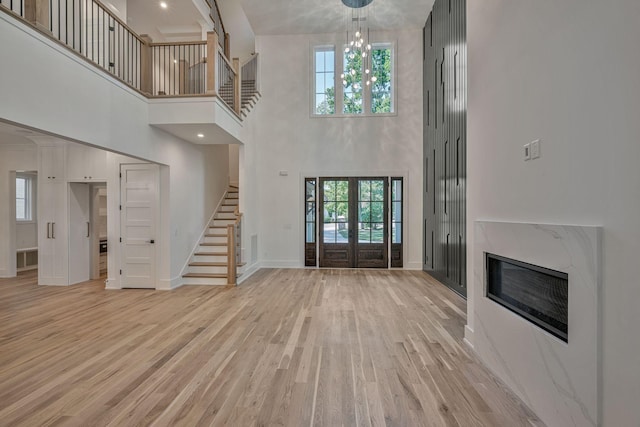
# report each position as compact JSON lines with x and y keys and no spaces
{"x":20,"y":209}
{"x":330,"y":212}
{"x":396,"y":212}
{"x":365,"y":190}
{"x":364,"y":234}
{"x":377,"y":233}
{"x":342,"y":191}
{"x":311,"y":190}
{"x":329,"y":61}
{"x":342,"y":235}
{"x":311,"y":211}
{"x":396,"y":233}
{"x":320,"y":86}
{"x":311,"y":232}
{"x":329,"y":190}
{"x":377,"y":211}
{"x":319,"y":60}
{"x":20,"y":188}
{"x":329,"y":233}
{"x":365,"y":212}
{"x":342,"y":209}
{"x":377,"y":190}
{"x":397,"y":190}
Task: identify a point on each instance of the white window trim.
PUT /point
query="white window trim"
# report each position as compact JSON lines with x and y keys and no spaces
{"x":30,"y":198}
{"x":339,"y":93}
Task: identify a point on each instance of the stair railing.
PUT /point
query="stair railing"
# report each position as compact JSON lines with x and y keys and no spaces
{"x":234,"y":248}
{"x":250,"y":75}
{"x":222,"y":78}
{"x":178,"y":68}
{"x":96,"y":33}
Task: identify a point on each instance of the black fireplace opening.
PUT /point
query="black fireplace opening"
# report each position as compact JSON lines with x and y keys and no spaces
{"x":538,"y":294}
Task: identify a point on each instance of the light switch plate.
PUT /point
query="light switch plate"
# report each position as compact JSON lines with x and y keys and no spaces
{"x":535,"y":149}
{"x":526,"y":152}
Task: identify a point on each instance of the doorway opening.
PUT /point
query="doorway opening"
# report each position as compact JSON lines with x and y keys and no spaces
{"x":87,"y":231}
{"x":353,"y":222}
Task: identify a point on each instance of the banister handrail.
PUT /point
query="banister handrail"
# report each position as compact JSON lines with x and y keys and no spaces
{"x":199,"y":42}
{"x":221,"y":52}
{"x":106,"y":41}
{"x":254,"y":56}
{"x":120,"y":21}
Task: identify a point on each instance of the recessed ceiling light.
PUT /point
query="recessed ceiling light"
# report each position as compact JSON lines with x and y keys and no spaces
{"x":163,"y":4}
{"x":200,"y":135}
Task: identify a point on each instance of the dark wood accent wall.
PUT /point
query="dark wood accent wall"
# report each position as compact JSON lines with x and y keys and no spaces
{"x":445,"y":141}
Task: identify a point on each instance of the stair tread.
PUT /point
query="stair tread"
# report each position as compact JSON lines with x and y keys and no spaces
{"x":207,"y":264}
{"x":215,"y":235}
{"x":211,"y":253}
{"x":206,"y":275}
{"x":213,"y":264}
{"x":213,"y":244}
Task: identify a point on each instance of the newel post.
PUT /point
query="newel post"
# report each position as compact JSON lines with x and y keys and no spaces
{"x":237,"y":104}
{"x":37,"y":13}
{"x":212,"y":61}
{"x":146,"y":74}
{"x":231,"y":254}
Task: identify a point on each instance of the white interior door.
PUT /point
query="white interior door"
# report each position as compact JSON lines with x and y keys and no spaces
{"x":79,"y":233}
{"x":139,"y":196}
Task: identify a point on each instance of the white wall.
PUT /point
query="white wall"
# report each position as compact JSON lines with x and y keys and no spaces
{"x":567,"y":73}
{"x":70,"y":98}
{"x":290,"y":140}
{"x":16,"y":153}
{"x":242,"y":40}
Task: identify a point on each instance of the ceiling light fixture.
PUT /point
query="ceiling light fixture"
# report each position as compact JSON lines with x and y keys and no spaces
{"x":358,"y":48}
{"x":163,"y":5}
{"x":200,"y":135}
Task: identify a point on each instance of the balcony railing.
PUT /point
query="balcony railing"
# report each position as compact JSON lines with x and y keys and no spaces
{"x":153,"y":69}
{"x":179,"y":68}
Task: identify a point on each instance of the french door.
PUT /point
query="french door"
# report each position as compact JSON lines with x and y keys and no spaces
{"x":353,"y":222}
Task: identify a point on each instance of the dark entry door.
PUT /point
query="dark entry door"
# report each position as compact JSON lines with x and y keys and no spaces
{"x":354,"y":222}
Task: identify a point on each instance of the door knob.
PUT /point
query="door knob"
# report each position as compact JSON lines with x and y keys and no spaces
{"x":152,"y":241}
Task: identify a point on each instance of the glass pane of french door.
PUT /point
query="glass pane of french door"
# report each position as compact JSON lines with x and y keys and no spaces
{"x":353,"y":221}
{"x":335,"y":221}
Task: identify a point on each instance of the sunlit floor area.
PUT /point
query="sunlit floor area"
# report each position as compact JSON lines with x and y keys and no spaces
{"x":287,"y":347}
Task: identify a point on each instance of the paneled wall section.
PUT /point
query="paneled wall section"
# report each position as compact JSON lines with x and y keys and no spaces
{"x":445,"y":109}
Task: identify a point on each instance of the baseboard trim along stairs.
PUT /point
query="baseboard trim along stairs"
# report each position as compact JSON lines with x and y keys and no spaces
{"x":208,"y":263}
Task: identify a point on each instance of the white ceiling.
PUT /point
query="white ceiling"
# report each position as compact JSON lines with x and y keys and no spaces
{"x":275,"y":17}
{"x":180,"y":21}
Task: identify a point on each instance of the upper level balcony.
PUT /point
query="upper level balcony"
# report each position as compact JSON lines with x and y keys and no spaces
{"x":187,"y":85}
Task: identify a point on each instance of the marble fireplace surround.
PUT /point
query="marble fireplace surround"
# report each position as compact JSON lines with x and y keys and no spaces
{"x":559,"y":381}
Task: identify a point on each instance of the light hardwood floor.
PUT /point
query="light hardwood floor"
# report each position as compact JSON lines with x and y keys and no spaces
{"x":287,"y":347}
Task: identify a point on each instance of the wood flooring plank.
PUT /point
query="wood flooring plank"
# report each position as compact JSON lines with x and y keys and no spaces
{"x":302,"y":347}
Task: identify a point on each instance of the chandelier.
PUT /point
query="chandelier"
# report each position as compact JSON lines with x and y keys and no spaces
{"x":358,"y":47}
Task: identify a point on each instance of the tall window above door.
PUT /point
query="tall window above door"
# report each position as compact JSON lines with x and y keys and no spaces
{"x":324,"y":87}
{"x":344,"y":85}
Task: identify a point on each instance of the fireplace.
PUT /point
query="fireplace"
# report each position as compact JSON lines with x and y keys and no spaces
{"x":538,"y":294}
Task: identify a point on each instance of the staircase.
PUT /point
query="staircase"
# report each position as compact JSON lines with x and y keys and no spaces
{"x":249,"y":95}
{"x":208,"y":264}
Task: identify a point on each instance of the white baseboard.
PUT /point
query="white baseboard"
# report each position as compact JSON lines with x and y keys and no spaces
{"x":282,"y":264}
{"x":413,"y":265}
{"x":111,"y":284}
{"x":4,"y":274}
{"x":468,"y":336}
{"x":248,"y":272}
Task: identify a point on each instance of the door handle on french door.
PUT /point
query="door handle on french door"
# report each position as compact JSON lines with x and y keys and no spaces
{"x":152,"y":241}
{"x":350,"y":233}
{"x":53,"y":230}
{"x":48,"y":230}
{"x":88,"y":228}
